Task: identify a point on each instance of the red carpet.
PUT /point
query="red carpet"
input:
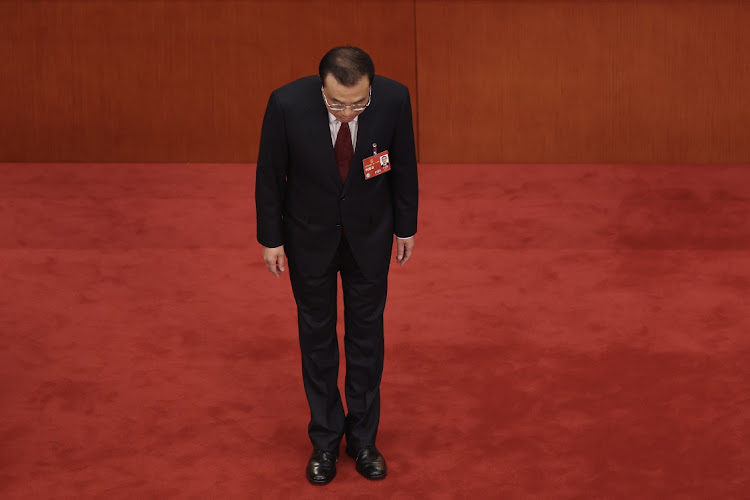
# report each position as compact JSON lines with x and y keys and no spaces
{"x":561,"y":332}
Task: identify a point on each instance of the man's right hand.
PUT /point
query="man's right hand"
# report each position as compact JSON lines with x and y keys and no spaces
{"x":274,"y":259}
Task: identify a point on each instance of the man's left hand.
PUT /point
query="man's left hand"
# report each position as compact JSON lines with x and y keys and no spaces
{"x":405,"y":249}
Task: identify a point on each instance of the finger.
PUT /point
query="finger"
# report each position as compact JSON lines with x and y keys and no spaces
{"x":407,"y":254}
{"x":400,"y":251}
{"x":271,"y":266}
{"x":281,"y":263}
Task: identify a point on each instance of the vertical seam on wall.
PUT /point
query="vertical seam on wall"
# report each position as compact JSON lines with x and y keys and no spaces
{"x":417,"y":135}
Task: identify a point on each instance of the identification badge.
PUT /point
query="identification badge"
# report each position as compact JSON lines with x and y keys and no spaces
{"x":377,"y":164}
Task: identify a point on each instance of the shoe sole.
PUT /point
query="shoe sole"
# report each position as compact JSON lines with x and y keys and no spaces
{"x":374,"y":478}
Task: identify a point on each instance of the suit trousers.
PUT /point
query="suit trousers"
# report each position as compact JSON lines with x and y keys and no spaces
{"x":364,"y":303}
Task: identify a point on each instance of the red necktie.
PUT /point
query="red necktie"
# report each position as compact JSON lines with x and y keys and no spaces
{"x":344,"y":150}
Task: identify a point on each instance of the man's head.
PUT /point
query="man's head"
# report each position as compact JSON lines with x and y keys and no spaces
{"x":346,"y":74}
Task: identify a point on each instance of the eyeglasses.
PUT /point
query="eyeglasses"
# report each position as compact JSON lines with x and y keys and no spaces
{"x":341,"y":107}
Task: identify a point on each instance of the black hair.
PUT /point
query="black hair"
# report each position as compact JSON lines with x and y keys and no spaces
{"x":347,"y":65}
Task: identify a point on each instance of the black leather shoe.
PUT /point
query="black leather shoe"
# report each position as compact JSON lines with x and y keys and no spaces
{"x":370,"y":463}
{"x":321,"y":468}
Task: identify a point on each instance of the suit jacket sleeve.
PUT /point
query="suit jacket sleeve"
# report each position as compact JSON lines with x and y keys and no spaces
{"x":404,"y":184}
{"x":270,"y":176}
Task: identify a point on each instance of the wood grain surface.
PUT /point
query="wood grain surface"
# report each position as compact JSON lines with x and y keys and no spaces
{"x":538,"y":81}
{"x":170,"y":81}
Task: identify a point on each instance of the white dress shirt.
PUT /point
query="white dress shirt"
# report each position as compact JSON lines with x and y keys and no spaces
{"x":335,"y":126}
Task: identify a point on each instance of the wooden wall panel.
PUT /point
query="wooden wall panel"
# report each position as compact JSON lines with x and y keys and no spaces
{"x":171,"y":80}
{"x":584,"y":81}
{"x":498,"y":81}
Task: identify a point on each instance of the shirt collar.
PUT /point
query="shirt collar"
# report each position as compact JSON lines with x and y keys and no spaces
{"x":332,"y":118}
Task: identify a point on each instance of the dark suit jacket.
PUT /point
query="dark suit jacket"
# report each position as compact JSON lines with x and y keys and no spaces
{"x":300,"y":200}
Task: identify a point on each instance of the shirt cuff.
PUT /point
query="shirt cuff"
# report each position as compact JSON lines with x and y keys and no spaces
{"x":400,"y":238}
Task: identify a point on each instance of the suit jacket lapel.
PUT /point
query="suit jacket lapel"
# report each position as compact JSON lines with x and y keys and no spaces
{"x":322,"y":135}
{"x":363,"y":148}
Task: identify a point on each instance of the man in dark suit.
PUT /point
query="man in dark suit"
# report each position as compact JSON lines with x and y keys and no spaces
{"x":316,"y":207}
